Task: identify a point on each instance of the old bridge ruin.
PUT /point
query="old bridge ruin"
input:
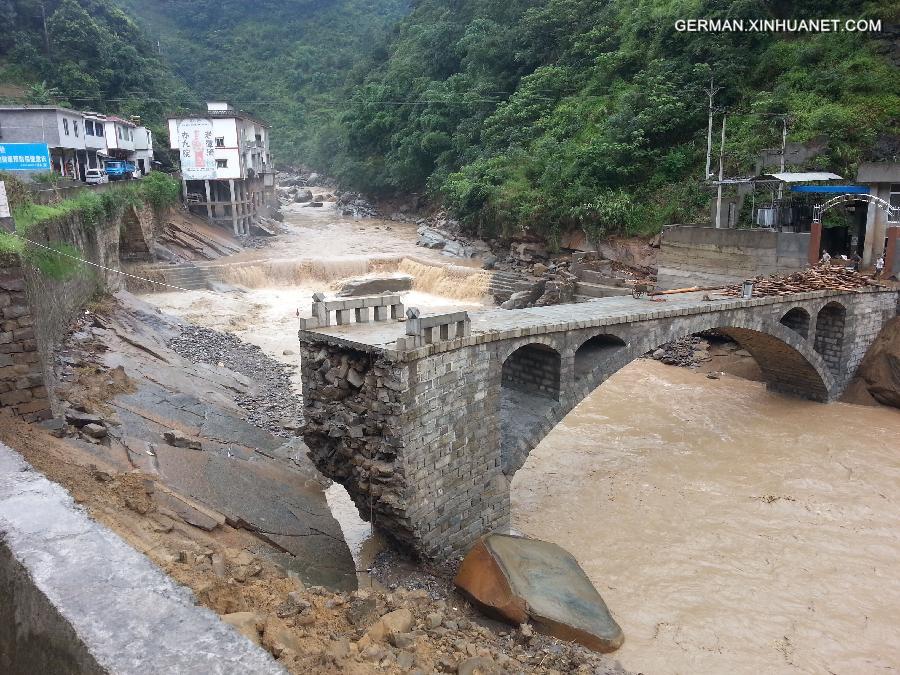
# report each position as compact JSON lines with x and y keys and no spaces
{"x":425,"y":421}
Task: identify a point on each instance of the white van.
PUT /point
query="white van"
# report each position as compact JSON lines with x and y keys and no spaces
{"x":95,"y":177}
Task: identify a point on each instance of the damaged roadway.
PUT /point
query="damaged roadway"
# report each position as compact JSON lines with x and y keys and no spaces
{"x":259,"y":482}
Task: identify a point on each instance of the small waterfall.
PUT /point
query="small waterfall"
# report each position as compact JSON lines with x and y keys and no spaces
{"x":292,"y":272}
{"x":449,"y":281}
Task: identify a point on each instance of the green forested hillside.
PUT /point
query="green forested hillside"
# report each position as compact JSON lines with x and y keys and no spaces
{"x":87,"y":54}
{"x":288,"y":61}
{"x":553,"y":114}
{"x":545,"y":115}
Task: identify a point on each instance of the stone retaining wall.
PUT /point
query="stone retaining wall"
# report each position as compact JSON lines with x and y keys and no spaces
{"x":40,"y":308}
{"x":22,"y":387}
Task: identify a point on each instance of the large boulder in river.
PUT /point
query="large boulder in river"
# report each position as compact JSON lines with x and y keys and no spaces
{"x":879,"y":373}
{"x":517,"y":579}
{"x":376,"y":285}
{"x":303,"y":195}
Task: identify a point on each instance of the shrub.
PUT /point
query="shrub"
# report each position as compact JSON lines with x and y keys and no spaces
{"x":159,"y":190}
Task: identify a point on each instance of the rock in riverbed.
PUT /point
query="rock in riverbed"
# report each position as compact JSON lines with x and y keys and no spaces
{"x":519,"y":579}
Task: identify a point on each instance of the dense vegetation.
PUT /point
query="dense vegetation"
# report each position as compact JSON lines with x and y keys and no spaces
{"x":535,"y":115}
{"x":552,"y":114}
{"x":87,"y":54}
{"x":288,"y":61}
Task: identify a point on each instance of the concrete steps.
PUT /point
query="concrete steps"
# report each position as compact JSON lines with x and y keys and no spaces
{"x":189,"y":277}
{"x":502,"y":285}
{"x":600,"y":290}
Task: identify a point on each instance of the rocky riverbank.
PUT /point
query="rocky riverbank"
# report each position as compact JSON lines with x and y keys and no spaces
{"x":156,"y":443}
{"x":273,"y":406}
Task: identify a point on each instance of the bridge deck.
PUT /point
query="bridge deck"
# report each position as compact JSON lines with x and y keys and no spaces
{"x":496,"y":324}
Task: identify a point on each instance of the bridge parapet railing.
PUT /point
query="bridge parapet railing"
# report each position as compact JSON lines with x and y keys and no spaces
{"x":426,"y":330}
{"x":360,"y":310}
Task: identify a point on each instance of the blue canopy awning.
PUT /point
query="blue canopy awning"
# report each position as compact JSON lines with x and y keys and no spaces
{"x":832,"y":189}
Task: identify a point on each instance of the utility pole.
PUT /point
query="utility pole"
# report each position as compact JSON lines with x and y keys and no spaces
{"x":46,"y":34}
{"x":721,"y":175}
{"x":783,"y":153}
{"x":710,"y":92}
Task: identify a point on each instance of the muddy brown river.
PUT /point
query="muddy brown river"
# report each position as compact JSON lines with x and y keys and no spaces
{"x":730,"y":530}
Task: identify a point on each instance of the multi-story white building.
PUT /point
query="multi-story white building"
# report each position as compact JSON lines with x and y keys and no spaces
{"x":77,"y":141}
{"x":226,"y":165}
{"x":94,"y":139}
{"x":60,"y":128}
{"x":143,"y":150}
{"x":120,"y":138}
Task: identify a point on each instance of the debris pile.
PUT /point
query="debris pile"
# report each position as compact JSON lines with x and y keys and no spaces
{"x":274,"y":407}
{"x":819,"y":278}
{"x":687,"y":352}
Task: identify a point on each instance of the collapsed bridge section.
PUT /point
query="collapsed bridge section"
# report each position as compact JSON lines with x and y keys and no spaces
{"x":425,"y":419}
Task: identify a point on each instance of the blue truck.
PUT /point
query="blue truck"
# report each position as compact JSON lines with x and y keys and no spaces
{"x":119,"y":169}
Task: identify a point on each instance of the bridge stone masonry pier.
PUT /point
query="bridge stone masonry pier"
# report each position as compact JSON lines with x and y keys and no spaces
{"x":426,"y":419}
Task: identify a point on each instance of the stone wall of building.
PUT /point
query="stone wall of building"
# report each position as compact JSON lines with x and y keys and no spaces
{"x":706,"y":256}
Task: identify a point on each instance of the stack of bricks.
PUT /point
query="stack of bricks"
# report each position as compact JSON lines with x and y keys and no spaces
{"x":22,"y":389}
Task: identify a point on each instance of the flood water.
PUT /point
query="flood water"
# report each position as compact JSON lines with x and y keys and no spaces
{"x":728,"y":529}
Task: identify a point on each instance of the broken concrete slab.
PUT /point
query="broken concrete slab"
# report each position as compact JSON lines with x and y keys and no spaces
{"x":179,"y":440}
{"x":517,"y":579}
{"x":80,"y":419}
{"x":187,"y":509}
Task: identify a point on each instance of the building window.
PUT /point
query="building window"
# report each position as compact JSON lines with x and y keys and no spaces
{"x":221,"y":163}
{"x":220,"y":141}
{"x":66,"y":126}
{"x":894,"y":200}
{"x":98,"y":130}
{"x":88,"y":128}
{"x":75,"y":127}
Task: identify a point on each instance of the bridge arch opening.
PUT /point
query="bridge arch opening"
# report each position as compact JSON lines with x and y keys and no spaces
{"x":530,"y":384}
{"x":829,"y":339}
{"x":594,"y":352}
{"x":783,"y":358}
{"x":797,"y":320}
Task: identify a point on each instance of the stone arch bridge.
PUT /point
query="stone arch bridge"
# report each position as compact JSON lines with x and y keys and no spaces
{"x":426,"y":420}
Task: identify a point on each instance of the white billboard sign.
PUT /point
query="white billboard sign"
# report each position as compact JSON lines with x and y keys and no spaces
{"x":4,"y":202}
{"x":197,"y":148}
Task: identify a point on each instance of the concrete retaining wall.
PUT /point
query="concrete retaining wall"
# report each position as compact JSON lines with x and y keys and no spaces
{"x":704,"y":256}
{"x":74,"y":598}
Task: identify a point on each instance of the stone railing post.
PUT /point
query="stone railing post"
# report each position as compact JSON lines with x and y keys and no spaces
{"x":426,"y":330}
{"x":359,"y":310}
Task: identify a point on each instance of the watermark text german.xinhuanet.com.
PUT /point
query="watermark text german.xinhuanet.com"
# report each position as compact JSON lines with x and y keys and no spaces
{"x":778,"y":25}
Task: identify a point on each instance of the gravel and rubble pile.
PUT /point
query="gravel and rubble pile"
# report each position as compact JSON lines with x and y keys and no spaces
{"x":275,"y":406}
{"x":687,"y":352}
{"x":311,"y":629}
